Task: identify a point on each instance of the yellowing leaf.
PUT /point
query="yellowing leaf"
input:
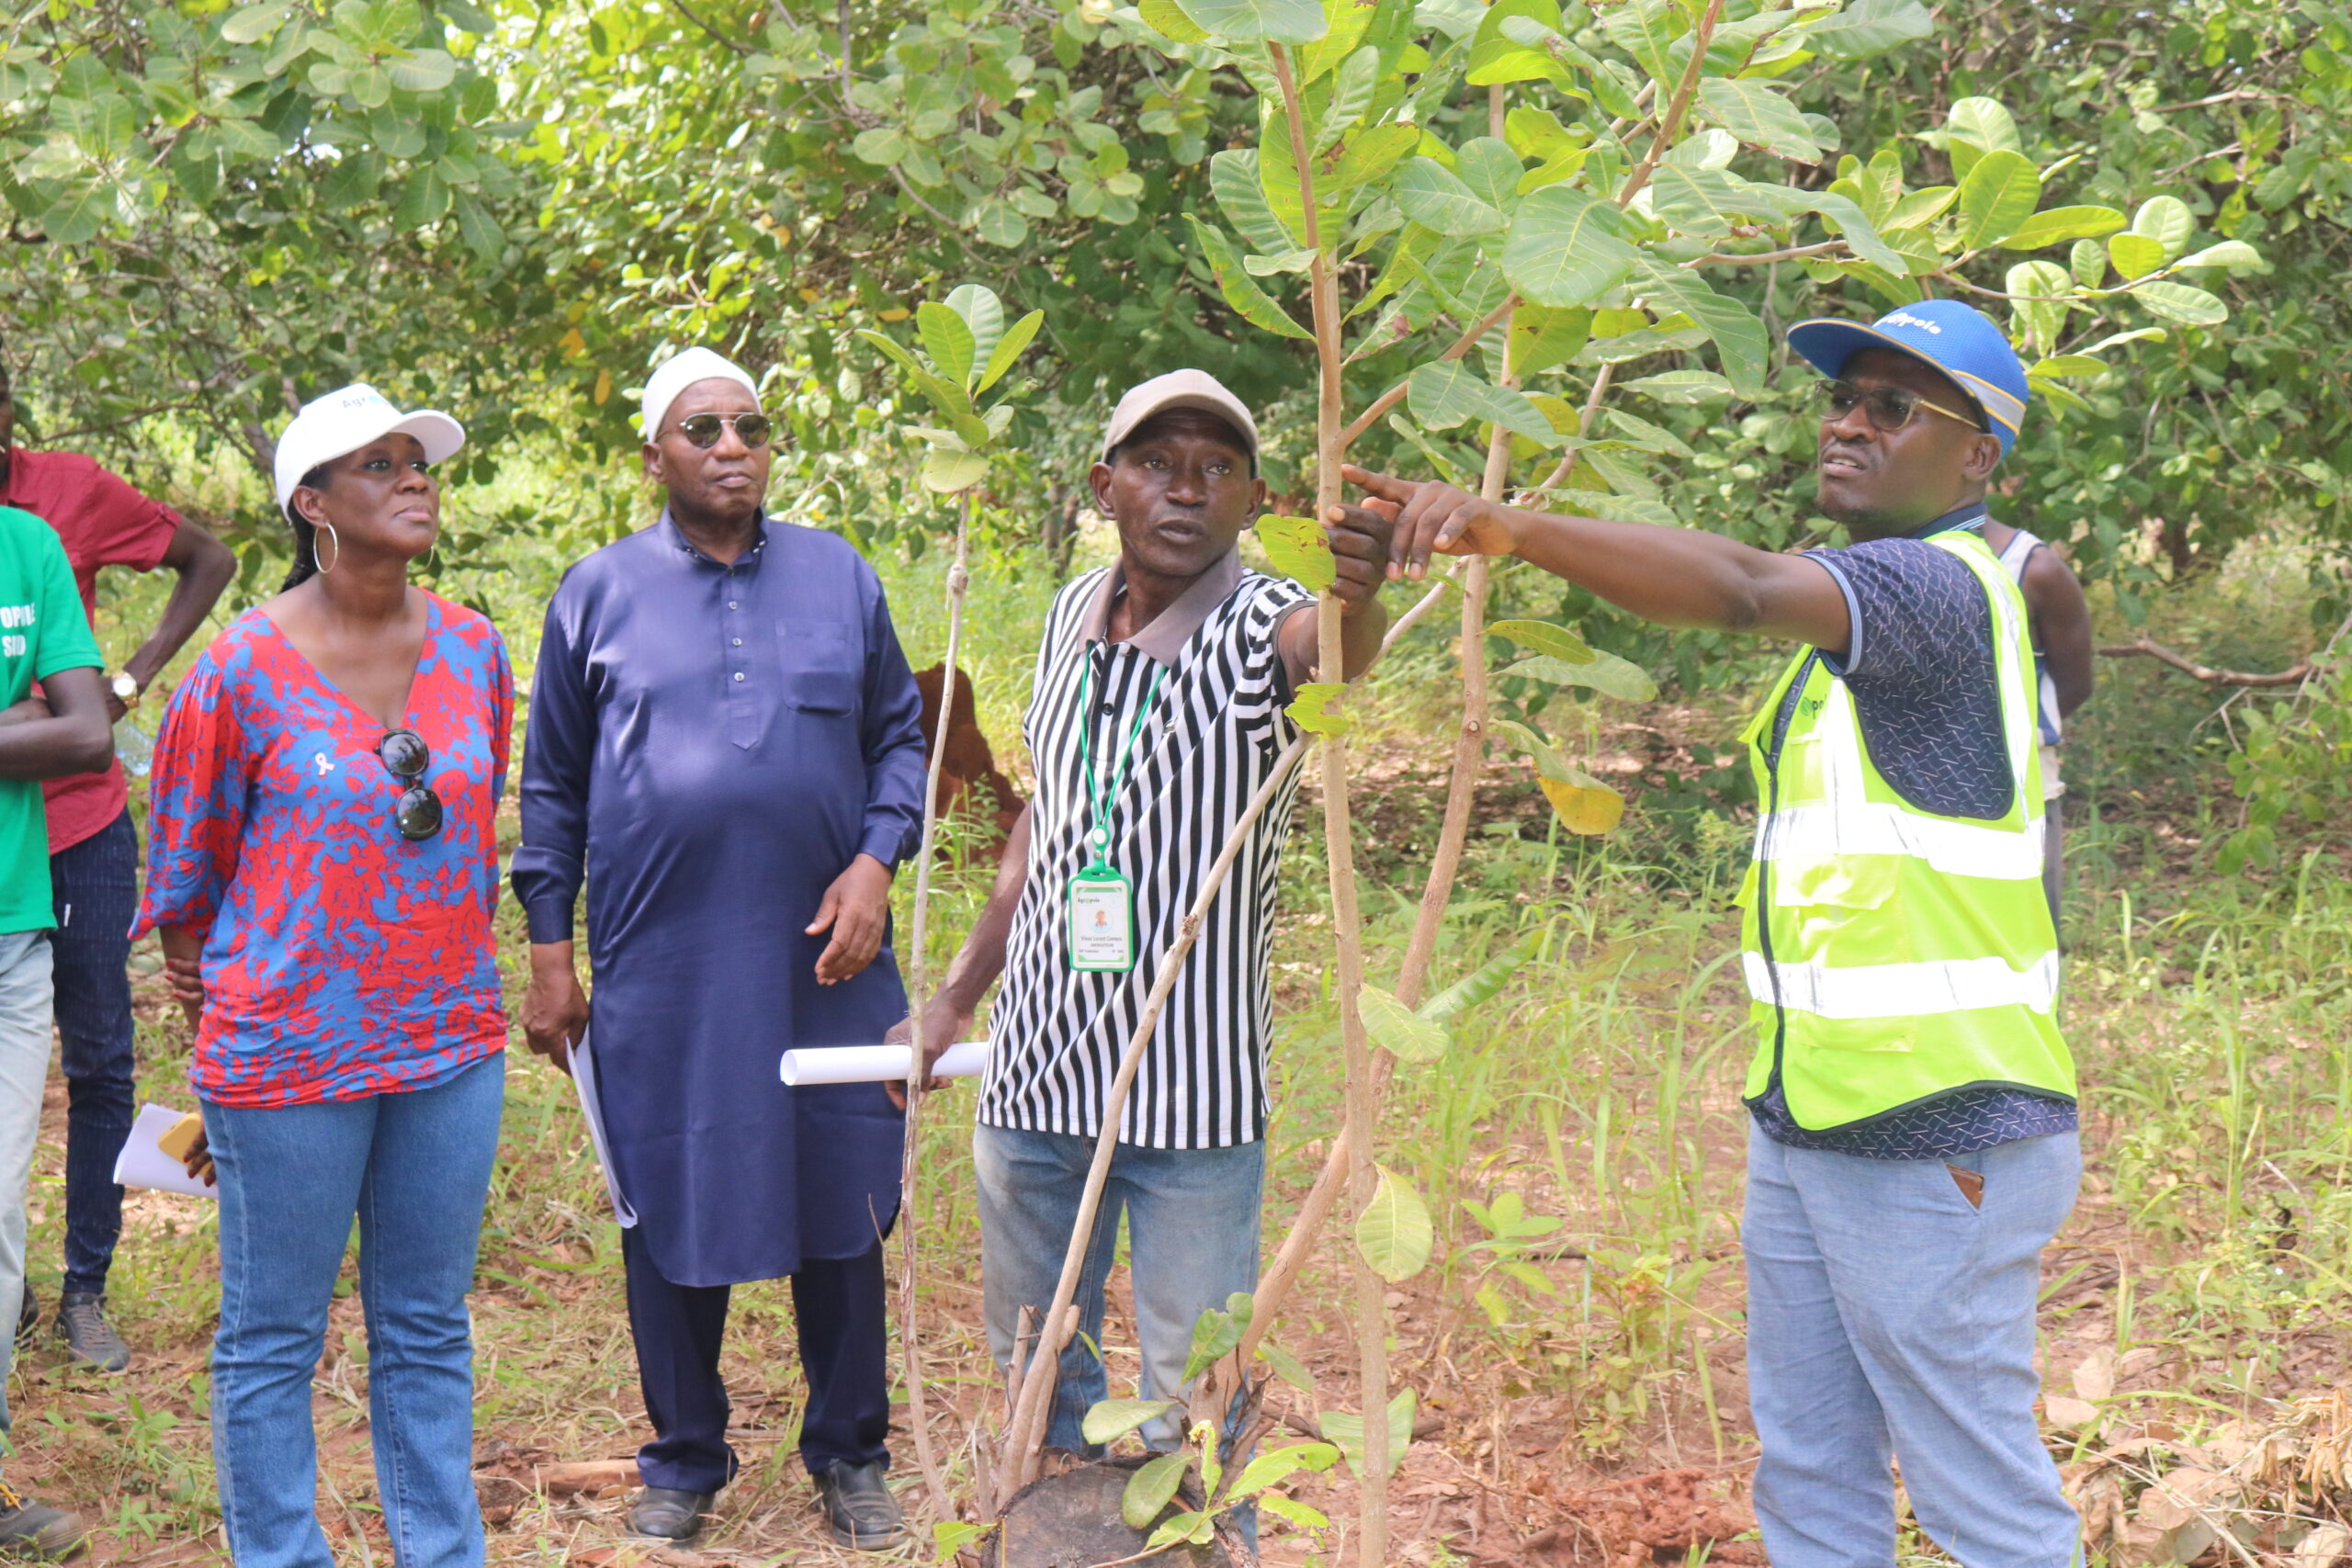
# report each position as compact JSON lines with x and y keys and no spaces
{"x":603,"y":387}
{"x":1298,"y":550}
{"x":1544,"y":638}
{"x":1590,"y":808}
{"x":1394,"y":1231}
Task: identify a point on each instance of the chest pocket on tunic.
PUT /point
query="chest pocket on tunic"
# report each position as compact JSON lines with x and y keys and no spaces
{"x":822,"y":667}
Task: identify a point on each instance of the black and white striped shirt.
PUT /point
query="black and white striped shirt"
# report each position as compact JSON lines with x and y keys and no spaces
{"x":1214,"y":733}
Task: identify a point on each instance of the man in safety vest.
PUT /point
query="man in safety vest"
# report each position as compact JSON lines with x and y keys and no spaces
{"x":1913,"y":1145}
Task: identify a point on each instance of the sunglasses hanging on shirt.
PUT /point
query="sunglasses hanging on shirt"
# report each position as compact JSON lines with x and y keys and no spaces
{"x":406,"y":756}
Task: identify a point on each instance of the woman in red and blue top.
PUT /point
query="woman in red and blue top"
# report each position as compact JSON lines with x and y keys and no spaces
{"x":323,"y":866}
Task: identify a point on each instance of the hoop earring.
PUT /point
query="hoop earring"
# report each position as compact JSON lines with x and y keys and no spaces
{"x":329,"y":565}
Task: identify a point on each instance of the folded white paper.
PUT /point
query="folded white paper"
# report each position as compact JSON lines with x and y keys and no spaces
{"x":878,"y":1063}
{"x":583,"y":1080}
{"x":143,"y":1163}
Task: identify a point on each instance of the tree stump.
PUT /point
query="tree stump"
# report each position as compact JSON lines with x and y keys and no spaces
{"x":1071,"y":1520}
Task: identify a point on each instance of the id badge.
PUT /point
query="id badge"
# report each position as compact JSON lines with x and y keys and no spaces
{"x":1101,"y":922}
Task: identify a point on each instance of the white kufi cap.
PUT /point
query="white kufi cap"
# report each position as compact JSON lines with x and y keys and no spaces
{"x":343,"y":422}
{"x":1179,"y":389}
{"x":682,"y":370}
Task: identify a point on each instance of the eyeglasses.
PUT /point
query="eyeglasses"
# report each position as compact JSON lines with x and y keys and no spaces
{"x":1888,"y":408}
{"x":406,"y":756}
{"x":702,"y":429}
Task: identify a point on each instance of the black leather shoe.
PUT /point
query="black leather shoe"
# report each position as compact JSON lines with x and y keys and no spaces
{"x":859,"y":1509}
{"x":89,"y":1339}
{"x":665,"y":1513}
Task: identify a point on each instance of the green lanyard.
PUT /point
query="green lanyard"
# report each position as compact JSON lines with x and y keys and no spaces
{"x":1101,"y":794}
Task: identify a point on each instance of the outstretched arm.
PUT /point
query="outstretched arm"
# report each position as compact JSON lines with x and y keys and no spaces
{"x":1675,"y":577}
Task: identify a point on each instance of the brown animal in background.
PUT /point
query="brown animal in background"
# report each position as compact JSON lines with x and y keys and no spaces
{"x":969,"y":783}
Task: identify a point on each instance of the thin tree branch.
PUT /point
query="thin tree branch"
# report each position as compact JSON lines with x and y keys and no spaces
{"x":1683,"y":92}
{"x":714,"y":35}
{"x":1762,"y":258}
{"x":2148,"y":647}
{"x":1396,"y":394}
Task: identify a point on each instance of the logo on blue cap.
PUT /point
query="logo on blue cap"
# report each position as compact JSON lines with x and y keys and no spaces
{"x":1956,"y":338}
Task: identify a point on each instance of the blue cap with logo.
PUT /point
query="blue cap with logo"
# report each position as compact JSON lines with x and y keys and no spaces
{"x":1957,"y":339}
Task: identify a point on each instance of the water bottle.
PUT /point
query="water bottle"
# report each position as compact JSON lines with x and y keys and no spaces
{"x":133,"y":748}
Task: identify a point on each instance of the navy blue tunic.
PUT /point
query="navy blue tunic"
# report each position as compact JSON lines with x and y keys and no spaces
{"x":710,"y":747}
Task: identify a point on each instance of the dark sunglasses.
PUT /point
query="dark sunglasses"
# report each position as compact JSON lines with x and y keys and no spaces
{"x":407,"y":757}
{"x":702,"y":429}
{"x":1888,"y":408}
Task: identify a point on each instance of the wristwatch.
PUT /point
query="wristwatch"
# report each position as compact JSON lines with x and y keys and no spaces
{"x":125,"y":687}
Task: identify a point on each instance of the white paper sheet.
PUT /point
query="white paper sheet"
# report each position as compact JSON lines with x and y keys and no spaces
{"x":583,"y":1079}
{"x":878,"y":1063}
{"x":143,"y":1163}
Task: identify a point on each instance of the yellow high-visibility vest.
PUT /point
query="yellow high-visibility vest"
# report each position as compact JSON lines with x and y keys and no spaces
{"x":1893,"y":955}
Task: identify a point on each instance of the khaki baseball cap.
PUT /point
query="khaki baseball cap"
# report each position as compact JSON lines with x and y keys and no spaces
{"x":1179,"y":389}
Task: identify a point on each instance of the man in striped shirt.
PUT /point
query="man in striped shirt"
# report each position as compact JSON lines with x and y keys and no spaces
{"x":1157,"y":712}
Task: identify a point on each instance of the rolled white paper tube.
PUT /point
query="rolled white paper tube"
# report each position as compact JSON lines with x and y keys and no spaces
{"x":878,"y":1063}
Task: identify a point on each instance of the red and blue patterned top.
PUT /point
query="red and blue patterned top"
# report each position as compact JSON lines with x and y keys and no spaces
{"x":341,"y":960}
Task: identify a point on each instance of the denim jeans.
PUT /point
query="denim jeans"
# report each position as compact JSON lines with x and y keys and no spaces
{"x":1887,"y":1315}
{"x":23,"y":1070}
{"x":1193,"y":1217}
{"x":95,"y":884}
{"x":414,"y":1167}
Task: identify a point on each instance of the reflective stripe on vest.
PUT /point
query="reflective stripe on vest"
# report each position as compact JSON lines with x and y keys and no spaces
{"x":1893,"y":954}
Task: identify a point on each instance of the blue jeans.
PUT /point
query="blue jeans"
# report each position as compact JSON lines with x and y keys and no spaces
{"x":1887,"y":1315}
{"x":23,"y":1073}
{"x":1193,"y":1217}
{"x":95,"y":885}
{"x":414,"y":1167}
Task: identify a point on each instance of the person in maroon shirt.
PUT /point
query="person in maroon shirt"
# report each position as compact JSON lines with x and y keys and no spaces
{"x":94,"y":853}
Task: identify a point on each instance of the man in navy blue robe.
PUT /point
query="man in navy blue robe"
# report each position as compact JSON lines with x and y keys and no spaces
{"x":724,"y":731}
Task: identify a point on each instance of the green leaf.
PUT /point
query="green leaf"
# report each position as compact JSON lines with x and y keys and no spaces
{"x":1151,"y":1488}
{"x":424,"y":71}
{"x":1483,"y":984}
{"x":2037,"y":285}
{"x":1681,"y":387}
{"x":2087,"y":262}
{"x":1292,"y":1511}
{"x":977,"y":305}
{"x":1272,"y":21}
{"x":944,"y":472}
{"x":251,"y":24}
{"x":2150,"y":335}
{"x":1311,"y":709}
{"x":1168,"y":20}
{"x":1433,"y":195}
{"x":949,"y":1537}
{"x":1351,"y":95}
{"x":1603,"y":672}
{"x":1921,"y":207}
{"x":1647,"y":437}
{"x":1758,"y":116}
{"x":1233,"y":179}
{"x":481,"y":230}
{"x":1217,"y":1334}
{"x":1490,"y":169}
{"x":1108,"y":1420}
{"x":2056,"y":225}
{"x":353,"y":180}
{"x":2135,"y":255}
{"x":1394,"y":1231}
{"x":1584,"y":804}
{"x":1564,"y":248}
{"x":1345,"y":1431}
{"x":77,"y":215}
{"x":1740,"y":342}
{"x":1010,"y":348}
{"x":2167,"y":221}
{"x":425,"y":200}
{"x":1544,"y":638}
{"x":2229,"y":252}
{"x":1541,"y":336}
{"x":1870,"y":27}
{"x":1397,"y":1028}
{"x":947,"y":339}
{"x":1287,"y":1366}
{"x":1277,"y":1465}
{"x":1241,"y":290}
{"x":1974,"y":127}
{"x":1444,"y":392}
{"x":882,"y":146}
{"x":2179,"y":302}
{"x":1194,"y":1527}
{"x":1861,"y":237}
{"x":2067,"y":365}
{"x":1998,"y":195}
{"x":1370,"y":154}
{"x":1296,"y":548}
{"x":1346,"y":21}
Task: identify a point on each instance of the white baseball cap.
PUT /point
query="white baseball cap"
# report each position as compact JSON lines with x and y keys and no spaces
{"x":1179,"y":389}
{"x":682,"y":370}
{"x":346,"y":421}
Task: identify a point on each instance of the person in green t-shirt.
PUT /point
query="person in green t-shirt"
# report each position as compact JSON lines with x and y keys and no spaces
{"x":44,"y":637}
